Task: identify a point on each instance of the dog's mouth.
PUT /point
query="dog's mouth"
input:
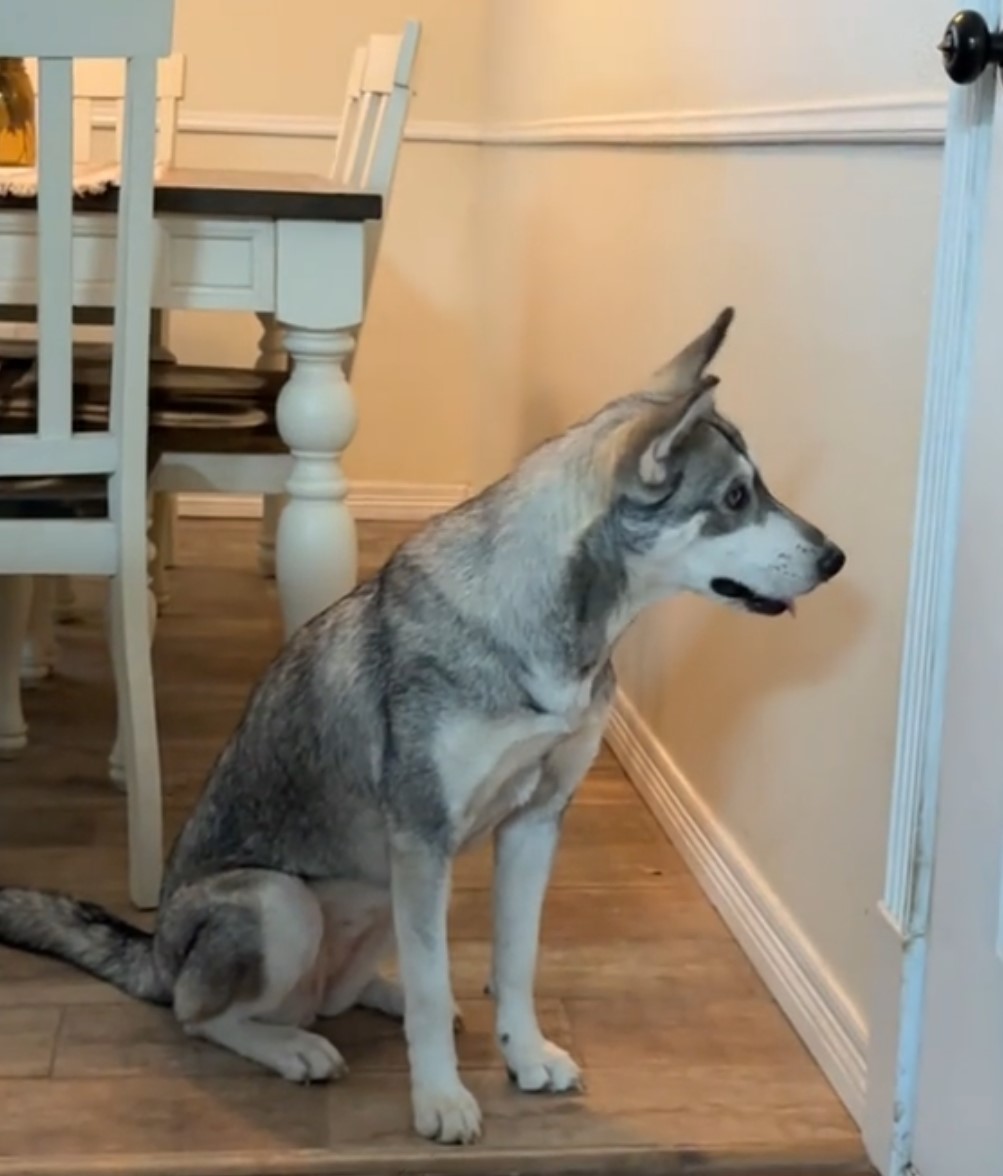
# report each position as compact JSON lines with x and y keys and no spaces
{"x":766,"y":606}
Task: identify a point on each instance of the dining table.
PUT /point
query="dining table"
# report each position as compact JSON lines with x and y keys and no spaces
{"x":286,"y":247}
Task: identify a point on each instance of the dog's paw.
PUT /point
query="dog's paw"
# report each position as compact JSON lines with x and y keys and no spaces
{"x":447,"y":1115}
{"x":543,"y":1067}
{"x":308,"y":1057}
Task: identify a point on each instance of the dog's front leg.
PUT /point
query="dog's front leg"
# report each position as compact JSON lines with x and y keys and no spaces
{"x":444,"y":1109}
{"x":524,"y":852}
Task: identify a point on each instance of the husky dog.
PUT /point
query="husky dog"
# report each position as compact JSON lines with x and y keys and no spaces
{"x":460,"y":693}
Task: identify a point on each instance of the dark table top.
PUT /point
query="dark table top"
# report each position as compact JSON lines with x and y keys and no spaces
{"x":226,"y":193}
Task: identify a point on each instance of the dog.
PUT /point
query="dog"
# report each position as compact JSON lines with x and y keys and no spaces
{"x":459,"y":694}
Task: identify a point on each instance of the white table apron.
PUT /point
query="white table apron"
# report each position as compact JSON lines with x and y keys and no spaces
{"x":309,"y":275}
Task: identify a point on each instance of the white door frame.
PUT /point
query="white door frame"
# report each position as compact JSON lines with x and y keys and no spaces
{"x":904,"y":911}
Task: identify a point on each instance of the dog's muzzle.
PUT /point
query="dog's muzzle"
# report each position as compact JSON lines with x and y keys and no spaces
{"x":830,"y":563}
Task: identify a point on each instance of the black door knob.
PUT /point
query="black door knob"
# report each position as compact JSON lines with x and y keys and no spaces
{"x":968,"y":47}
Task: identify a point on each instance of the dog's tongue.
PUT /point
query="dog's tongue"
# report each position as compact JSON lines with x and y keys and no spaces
{"x":792,"y":608}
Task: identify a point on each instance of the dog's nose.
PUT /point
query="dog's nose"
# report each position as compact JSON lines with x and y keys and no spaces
{"x":831,"y":561}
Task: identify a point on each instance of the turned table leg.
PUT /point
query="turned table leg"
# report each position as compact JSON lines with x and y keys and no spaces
{"x":320,"y":275}
{"x":272,"y":357}
{"x":316,"y":547}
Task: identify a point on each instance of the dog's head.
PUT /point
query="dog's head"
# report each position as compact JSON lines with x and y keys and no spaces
{"x":694,"y":509}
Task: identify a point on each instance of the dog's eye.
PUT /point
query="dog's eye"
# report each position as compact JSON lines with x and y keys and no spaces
{"x":737,"y":497}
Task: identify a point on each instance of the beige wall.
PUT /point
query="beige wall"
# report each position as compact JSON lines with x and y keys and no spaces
{"x":600,"y":261}
{"x":414,"y":374}
{"x":558,"y":58}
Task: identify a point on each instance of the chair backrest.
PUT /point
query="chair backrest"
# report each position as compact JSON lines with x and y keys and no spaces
{"x":99,"y":90}
{"x":56,"y":32}
{"x":375,"y":111}
{"x":372,"y":124}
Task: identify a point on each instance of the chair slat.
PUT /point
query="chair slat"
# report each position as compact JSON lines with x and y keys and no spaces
{"x":347,"y":136}
{"x":134,"y":282}
{"x":363,"y":131}
{"x":55,"y":249}
{"x":375,"y":135}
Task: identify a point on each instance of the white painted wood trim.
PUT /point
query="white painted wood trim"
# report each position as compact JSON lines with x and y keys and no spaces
{"x":882,"y":119}
{"x":928,"y":614}
{"x":368,"y":501}
{"x":905,"y":907}
{"x":917,"y":118}
{"x":824,"y":1017}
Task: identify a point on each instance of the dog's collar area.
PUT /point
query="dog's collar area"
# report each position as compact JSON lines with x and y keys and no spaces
{"x":766,"y":606}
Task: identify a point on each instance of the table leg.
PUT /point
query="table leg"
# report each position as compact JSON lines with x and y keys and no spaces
{"x":15,"y":605}
{"x":38,"y":658}
{"x":315,"y":550}
{"x":272,"y":357}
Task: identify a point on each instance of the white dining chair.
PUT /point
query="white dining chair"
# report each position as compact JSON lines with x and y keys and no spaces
{"x":373,"y":118}
{"x":73,"y":497}
{"x":98,"y":103}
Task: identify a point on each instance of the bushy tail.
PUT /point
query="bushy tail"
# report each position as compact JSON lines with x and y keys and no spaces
{"x":84,"y":935}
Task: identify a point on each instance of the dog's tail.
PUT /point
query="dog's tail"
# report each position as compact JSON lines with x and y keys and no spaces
{"x":84,"y":935}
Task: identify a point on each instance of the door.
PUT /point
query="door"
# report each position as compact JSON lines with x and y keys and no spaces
{"x":958,"y":1115}
{"x":935,"y":1069}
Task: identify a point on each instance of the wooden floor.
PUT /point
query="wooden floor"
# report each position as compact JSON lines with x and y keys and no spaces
{"x":689,"y":1064}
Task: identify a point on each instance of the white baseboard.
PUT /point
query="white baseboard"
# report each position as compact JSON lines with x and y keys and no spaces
{"x":822,"y":1014}
{"x":369,"y":502}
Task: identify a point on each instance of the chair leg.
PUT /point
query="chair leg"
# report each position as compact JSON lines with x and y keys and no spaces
{"x":171,"y":531}
{"x":116,"y":757}
{"x":273,"y":504}
{"x":15,"y":603}
{"x":67,"y":610}
{"x":38,"y":657}
{"x":163,"y":541}
{"x":132,"y":613}
{"x":272,"y":357}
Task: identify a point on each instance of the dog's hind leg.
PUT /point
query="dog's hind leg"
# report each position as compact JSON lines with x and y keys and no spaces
{"x":250,"y":970}
{"x":358,"y":935}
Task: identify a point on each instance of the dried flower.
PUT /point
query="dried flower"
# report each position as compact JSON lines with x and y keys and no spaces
{"x":17,"y":101}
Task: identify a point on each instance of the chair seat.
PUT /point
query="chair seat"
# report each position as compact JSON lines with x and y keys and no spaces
{"x":84,"y":350}
{"x":193,"y":408}
{"x":58,"y":497}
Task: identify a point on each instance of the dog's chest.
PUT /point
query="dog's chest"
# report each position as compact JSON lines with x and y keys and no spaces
{"x":489,"y":767}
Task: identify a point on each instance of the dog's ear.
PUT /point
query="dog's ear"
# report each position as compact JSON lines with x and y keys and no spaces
{"x":643,"y":466}
{"x":681,"y":375}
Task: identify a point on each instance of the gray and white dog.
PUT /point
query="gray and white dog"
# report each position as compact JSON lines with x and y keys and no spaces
{"x":462,"y":692}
